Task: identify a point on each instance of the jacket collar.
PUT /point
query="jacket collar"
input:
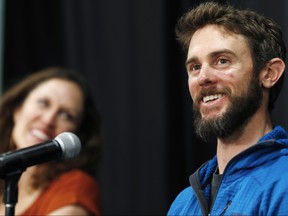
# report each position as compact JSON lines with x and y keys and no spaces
{"x":270,"y":146}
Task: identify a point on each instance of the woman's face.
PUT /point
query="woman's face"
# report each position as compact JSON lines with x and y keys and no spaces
{"x":53,"y":107}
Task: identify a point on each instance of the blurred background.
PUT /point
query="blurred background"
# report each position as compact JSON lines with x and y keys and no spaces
{"x":135,"y":68}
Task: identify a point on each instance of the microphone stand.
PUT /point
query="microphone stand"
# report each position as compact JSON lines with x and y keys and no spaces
{"x":10,"y":197}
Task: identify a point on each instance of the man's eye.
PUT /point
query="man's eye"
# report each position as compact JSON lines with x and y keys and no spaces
{"x":223,"y":61}
{"x":194,"y":67}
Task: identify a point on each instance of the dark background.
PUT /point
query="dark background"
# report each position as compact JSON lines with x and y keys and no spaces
{"x":135,"y":68}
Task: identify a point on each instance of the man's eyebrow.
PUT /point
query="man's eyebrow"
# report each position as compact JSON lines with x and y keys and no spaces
{"x":192,"y":59}
{"x":223,"y":51}
{"x":211,"y":55}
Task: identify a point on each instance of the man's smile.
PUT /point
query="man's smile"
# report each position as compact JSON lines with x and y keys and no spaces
{"x":211,"y":97}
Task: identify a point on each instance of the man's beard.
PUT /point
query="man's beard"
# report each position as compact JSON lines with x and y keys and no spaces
{"x":236,"y":116}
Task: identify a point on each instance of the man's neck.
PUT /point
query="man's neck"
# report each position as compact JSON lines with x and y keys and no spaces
{"x":242,"y":139}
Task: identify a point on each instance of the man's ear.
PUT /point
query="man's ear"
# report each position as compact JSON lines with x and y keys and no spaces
{"x":272,"y":72}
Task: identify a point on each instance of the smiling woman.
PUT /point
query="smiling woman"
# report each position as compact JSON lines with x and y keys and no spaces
{"x":51,"y":108}
{"x":37,"y":109}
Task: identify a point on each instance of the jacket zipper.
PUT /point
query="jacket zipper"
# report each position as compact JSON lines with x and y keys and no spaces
{"x":224,"y":210}
{"x":226,"y":207}
{"x":231,"y":162}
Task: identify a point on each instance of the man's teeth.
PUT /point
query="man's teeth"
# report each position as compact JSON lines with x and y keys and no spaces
{"x":211,"y":97}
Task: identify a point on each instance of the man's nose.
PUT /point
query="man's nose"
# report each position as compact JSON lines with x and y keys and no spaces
{"x":206,"y":76}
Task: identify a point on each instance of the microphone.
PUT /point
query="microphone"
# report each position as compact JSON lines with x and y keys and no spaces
{"x":66,"y":145}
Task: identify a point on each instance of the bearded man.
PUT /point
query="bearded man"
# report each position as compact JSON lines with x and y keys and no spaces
{"x":235,"y":65}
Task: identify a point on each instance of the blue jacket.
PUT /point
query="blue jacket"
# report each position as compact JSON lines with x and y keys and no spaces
{"x":254,"y":182}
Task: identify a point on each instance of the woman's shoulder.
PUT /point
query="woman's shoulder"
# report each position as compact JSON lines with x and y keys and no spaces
{"x":76,"y":180}
{"x":75,"y":175}
{"x":69,"y":188}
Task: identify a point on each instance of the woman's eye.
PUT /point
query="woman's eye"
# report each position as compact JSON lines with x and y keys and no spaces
{"x":66,"y":116}
{"x":43,"y":103}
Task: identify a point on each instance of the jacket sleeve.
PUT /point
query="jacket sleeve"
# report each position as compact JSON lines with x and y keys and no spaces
{"x":185,"y":204}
